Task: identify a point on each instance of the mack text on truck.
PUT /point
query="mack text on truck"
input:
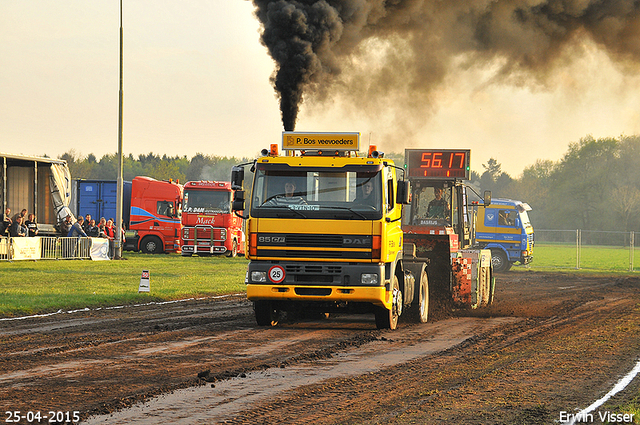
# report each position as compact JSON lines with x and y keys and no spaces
{"x":208,"y":225}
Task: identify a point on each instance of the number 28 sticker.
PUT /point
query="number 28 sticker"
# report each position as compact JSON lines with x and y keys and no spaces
{"x":276,"y":274}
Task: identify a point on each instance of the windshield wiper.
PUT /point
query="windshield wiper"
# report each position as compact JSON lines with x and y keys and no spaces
{"x":285,"y":206}
{"x":362,"y":216}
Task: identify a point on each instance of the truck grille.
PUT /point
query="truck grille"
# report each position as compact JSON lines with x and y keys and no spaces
{"x":530,"y":242}
{"x":356,"y":247}
{"x":318,"y":241}
{"x":315,"y":273}
{"x":314,"y":269}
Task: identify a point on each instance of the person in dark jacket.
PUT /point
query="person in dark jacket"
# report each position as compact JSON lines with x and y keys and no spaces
{"x":65,"y":225}
{"x":6,"y":223}
{"x":92,"y":229}
{"x":17,"y":229}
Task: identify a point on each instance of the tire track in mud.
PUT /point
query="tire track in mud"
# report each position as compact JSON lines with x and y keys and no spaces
{"x":425,"y":390}
{"x":233,"y":395}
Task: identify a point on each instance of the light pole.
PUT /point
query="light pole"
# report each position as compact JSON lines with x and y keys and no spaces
{"x":118,"y":247}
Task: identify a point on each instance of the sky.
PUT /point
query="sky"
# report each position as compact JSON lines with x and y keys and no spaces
{"x":197,"y":80}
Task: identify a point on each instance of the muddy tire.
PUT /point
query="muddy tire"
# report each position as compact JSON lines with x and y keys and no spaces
{"x":420,"y":306}
{"x":385,"y":318}
{"x":500,"y":261}
{"x":266,"y":315}
{"x":492,"y":286}
{"x":152,"y":245}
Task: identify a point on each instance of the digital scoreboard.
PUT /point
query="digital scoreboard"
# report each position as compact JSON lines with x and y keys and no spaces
{"x":438,"y":163}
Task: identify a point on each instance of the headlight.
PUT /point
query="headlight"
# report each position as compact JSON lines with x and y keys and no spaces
{"x":258,"y":276}
{"x":369,"y":278}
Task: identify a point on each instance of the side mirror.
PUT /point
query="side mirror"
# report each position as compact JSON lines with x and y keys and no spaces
{"x":237,"y":177}
{"x":404,"y":192}
{"x":487,"y":198}
{"x":238,"y":201}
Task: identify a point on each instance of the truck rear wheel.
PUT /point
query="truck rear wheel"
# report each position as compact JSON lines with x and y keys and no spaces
{"x":266,"y":315}
{"x":420,"y":306}
{"x":152,"y":245}
{"x":500,"y":261}
{"x":388,"y":319}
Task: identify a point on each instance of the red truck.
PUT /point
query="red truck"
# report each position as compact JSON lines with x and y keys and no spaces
{"x":154,"y":225}
{"x":208,"y":225}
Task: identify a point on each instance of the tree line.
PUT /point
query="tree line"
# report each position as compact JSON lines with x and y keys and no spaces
{"x":594,"y":186}
{"x":176,"y":168}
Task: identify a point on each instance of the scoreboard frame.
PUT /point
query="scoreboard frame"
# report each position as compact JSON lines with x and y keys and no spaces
{"x":438,"y":164}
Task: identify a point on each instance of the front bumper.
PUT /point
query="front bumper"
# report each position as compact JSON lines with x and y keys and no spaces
{"x":315,"y":281}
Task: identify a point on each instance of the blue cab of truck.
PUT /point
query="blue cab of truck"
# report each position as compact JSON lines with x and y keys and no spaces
{"x":505,"y":229}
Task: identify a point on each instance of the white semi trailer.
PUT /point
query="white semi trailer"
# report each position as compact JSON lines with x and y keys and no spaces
{"x":41,"y":185}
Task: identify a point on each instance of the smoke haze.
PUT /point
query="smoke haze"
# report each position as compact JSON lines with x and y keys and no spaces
{"x":388,"y":57}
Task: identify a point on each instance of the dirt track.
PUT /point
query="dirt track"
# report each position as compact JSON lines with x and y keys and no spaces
{"x":550,"y":343}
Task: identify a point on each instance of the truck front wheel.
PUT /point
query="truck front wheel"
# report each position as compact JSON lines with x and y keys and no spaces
{"x":152,"y":245}
{"x":500,"y":261}
{"x":266,"y":315}
{"x":388,"y":319}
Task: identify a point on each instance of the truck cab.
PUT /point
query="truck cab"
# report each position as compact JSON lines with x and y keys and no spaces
{"x":156,"y":208}
{"x":504,"y":228}
{"x":208,"y":225}
{"x":324,"y":232}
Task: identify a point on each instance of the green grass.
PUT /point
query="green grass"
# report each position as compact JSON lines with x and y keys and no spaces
{"x":547,"y":257}
{"x":31,"y":287}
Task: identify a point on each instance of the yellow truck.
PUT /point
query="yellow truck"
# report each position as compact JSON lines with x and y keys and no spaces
{"x":324,"y":232}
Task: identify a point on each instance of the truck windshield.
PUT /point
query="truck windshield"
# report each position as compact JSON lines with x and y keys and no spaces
{"x":430,"y":205}
{"x":206,"y":201}
{"x":524,"y":218}
{"x":342,"y":195}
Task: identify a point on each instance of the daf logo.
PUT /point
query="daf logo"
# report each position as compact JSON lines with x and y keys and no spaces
{"x":355,"y":241}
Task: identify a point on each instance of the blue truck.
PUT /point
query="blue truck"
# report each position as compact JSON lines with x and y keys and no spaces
{"x":505,"y":229}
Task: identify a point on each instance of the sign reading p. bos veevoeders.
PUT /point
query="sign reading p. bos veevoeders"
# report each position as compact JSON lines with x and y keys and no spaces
{"x":300,"y":140}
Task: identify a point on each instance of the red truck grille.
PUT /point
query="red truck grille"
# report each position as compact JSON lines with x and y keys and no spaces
{"x":204,"y":233}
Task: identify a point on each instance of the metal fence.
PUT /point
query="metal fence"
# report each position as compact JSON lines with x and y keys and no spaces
{"x":45,"y":248}
{"x":585,"y":241}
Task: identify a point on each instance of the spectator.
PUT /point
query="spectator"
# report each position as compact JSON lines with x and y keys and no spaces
{"x":65,"y":226}
{"x":76,"y":229}
{"x":92,"y":230}
{"x":22,"y":214}
{"x":6,"y":223}
{"x":101,"y":228}
{"x":17,"y":229}
{"x":31,"y":225}
{"x":87,"y":223}
{"x":110,"y":231}
{"x":123,"y":232}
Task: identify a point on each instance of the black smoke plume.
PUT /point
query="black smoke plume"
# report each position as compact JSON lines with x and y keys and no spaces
{"x":398,"y":51}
